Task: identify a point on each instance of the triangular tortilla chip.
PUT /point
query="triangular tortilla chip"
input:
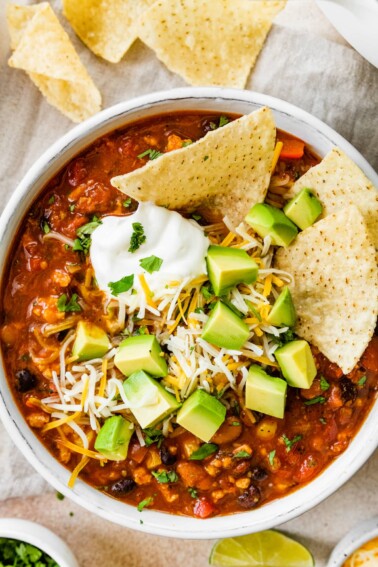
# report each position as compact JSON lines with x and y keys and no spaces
{"x":338,"y":182}
{"x":335,"y":288}
{"x":45,"y":52}
{"x":209,"y":42}
{"x":107,"y":27}
{"x":232,"y":163}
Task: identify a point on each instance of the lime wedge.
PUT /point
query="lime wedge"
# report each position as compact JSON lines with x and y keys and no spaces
{"x":263,"y":549}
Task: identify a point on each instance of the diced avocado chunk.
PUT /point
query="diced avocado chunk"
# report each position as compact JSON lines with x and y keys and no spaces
{"x":202,"y":415}
{"x":90,"y":342}
{"x":269,"y":221}
{"x":264,"y":393}
{"x":303,"y":209}
{"x":283,"y":311}
{"x":114,"y":437}
{"x":149,"y":401}
{"x":228,"y":267}
{"x":141,"y":352}
{"x":297,"y":363}
{"x":225,"y":329}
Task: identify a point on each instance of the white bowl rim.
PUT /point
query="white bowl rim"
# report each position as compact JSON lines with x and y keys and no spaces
{"x":160,"y":523}
{"x":353,"y":540}
{"x":39,"y":536}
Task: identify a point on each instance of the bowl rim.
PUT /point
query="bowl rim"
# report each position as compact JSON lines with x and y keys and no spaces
{"x":155,"y":522}
{"x":355,"y":538}
{"x":39,"y":536}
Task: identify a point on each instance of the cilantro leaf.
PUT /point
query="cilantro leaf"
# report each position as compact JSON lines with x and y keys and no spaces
{"x":186,"y":143}
{"x":152,"y":435}
{"x":362,"y":380}
{"x":46,"y":228}
{"x":317,"y":400}
{"x":151,"y":264}
{"x":271,"y":456}
{"x":204,"y":451}
{"x":193,"y":492}
{"x":324,"y":385}
{"x":283,"y":338}
{"x":290,"y":442}
{"x":144,"y":503}
{"x":71,"y":306}
{"x":223,"y":120}
{"x":83,"y":241}
{"x":207,"y":291}
{"x":151,"y":153}
{"x":51,"y":201}
{"x":242,"y":455}
{"x":163,"y":477}
{"x":127,"y":203}
{"x":137,"y":237}
{"x":122,"y":285}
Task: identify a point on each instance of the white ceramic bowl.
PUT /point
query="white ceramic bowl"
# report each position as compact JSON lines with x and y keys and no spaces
{"x":39,"y":536}
{"x":290,"y":118}
{"x":360,"y":534}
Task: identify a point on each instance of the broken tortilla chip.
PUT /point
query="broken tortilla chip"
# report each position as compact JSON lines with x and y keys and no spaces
{"x":338,"y":182}
{"x":208,"y":42}
{"x":43,"y":49}
{"x":107,"y":27}
{"x":335,"y":287}
{"x":232,"y":164}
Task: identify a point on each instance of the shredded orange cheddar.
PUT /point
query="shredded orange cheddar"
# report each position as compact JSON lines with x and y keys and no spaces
{"x":59,"y":422}
{"x":276,"y":154}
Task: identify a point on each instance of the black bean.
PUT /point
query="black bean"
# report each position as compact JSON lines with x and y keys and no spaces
{"x":122,"y":487}
{"x":250,"y":498}
{"x":25,"y":380}
{"x":348,"y":390}
{"x":259,"y":474}
{"x":166,"y":456}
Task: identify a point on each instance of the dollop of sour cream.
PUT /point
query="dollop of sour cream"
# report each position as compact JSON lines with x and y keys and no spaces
{"x":179,"y":242}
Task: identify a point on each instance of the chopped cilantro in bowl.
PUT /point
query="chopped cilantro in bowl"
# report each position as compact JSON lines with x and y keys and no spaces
{"x":21,"y":554}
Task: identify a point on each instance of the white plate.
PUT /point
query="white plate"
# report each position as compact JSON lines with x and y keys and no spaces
{"x":360,"y":534}
{"x":357,"y":22}
{"x":321,"y":139}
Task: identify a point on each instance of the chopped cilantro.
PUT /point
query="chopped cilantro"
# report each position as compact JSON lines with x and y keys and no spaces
{"x":236,"y":423}
{"x":290,"y":442}
{"x":152,"y":154}
{"x":213,"y":126}
{"x":127,"y":203}
{"x":83,"y":241}
{"x":142,"y":330}
{"x":205,"y":158}
{"x":207,"y":291}
{"x":60,"y":496}
{"x":186,"y":143}
{"x":72,"y":304}
{"x":152,"y":435}
{"x":193,"y":492}
{"x":144,"y":503}
{"x":283,"y":338}
{"x":362,"y":380}
{"x":198,"y":310}
{"x":72,"y":207}
{"x":196,"y":217}
{"x":324,"y":385}
{"x":322,"y":420}
{"x":151,"y":264}
{"x":17,"y":553}
{"x":137,"y":237}
{"x":204,"y":451}
{"x":51,"y":201}
{"x":223,"y":120}
{"x":122,"y":285}
{"x":317,"y":400}
{"x":271,"y":456}
{"x":242,"y":455}
{"x":164,"y":477}
{"x":46,"y":228}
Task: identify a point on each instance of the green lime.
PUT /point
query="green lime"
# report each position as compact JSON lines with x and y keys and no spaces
{"x":263,"y":549}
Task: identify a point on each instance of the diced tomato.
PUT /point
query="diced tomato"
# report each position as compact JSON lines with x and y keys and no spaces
{"x":369,"y":359}
{"x":292,"y":149}
{"x":203,"y":508}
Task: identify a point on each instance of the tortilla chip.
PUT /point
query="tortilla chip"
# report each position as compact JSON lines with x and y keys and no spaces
{"x":335,"y":288}
{"x":208,"y":42}
{"x":43,"y":49}
{"x":107,"y":27}
{"x":232,"y":163}
{"x":338,"y":182}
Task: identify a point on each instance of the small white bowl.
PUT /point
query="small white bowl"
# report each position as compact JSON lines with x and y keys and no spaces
{"x":360,"y":534}
{"x":321,"y":139}
{"x":39,"y":536}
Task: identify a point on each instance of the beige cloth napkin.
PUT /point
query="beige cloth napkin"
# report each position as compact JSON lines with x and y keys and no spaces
{"x":324,"y":77}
